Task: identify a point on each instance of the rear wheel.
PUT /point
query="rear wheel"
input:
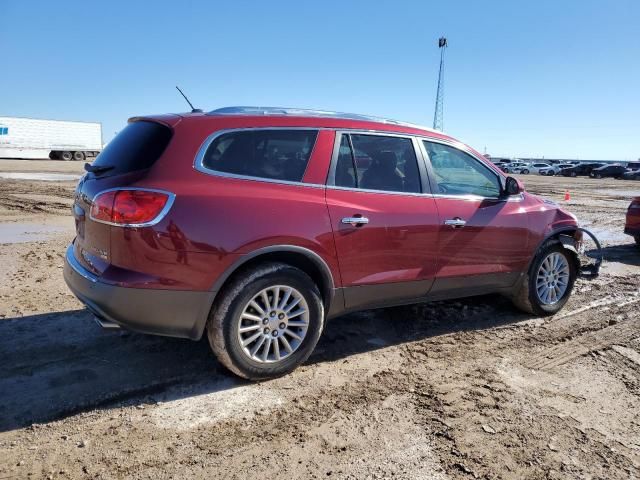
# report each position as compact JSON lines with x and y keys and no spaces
{"x":66,"y":156}
{"x":549,"y":282}
{"x":574,"y":174}
{"x":525,"y":172}
{"x":266,"y":322}
{"x":598,"y":175}
{"x":78,"y":156}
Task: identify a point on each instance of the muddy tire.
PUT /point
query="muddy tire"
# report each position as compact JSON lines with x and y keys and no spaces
{"x":262,"y":311}
{"x":530,"y":296}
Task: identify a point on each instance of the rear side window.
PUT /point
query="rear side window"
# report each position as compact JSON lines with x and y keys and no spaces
{"x":270,"y":154}
{"x":376,"y":162}
{"x":136,"y":147}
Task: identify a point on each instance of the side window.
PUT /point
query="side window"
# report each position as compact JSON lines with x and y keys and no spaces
{"x":378,"y":162}
{"x":272,"y":154}
{"x":345,"y":166}
{"x":458,"y":173}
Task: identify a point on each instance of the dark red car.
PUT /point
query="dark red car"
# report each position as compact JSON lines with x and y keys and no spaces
{"x":632,"y":226}
{"x":256,"y":225}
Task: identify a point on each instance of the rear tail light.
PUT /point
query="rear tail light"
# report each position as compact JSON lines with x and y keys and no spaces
{"x":131,"y":207}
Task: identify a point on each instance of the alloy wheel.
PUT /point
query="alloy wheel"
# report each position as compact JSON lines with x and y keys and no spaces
{"x":552,"y":279}
{"x":273,"y":324}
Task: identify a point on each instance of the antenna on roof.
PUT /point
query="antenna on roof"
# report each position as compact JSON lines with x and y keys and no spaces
{"x":193,"y":110}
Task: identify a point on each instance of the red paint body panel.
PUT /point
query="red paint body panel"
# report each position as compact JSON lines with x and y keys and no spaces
{"x":495,"y":239}
{"x":398,"y":244}
{"x":632,"y":224}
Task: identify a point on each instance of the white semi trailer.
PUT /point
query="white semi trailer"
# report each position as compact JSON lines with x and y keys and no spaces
{"x":54,"y":139}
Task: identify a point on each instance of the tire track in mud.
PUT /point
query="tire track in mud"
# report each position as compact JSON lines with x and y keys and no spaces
{"x":583,"y":344}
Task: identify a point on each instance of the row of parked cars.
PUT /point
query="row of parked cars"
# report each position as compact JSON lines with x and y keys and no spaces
{"x":589,"y":169}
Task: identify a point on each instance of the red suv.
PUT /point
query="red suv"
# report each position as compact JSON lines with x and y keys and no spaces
{"x":632,"y":226}
{"x":257,"y":225}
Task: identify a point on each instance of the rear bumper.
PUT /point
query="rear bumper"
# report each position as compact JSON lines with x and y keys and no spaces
{"x":174,"y":313}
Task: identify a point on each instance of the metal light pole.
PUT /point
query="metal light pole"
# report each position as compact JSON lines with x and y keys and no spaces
{"x":438,"y":122}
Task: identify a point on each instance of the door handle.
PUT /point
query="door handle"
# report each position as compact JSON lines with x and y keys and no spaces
{"x":455,"y":222}
{"x":355,"y":221}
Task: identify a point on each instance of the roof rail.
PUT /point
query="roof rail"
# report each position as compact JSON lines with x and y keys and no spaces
{"x":303,"y":112}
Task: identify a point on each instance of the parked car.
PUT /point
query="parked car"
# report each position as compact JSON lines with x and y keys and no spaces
{"x":554,"y":169}
{"x":631,"y":175}
{"x":633,"y":165}
{"x":632,"y":225}
{"x":254,"y":226}
{"x":579,"y":169}
{"x":516,"y":167}
{"x":615,"y":171}
{"x":536,"y":167}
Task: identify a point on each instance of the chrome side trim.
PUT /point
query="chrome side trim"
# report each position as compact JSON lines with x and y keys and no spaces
{"x":155,"y":221}
{"x":77,"y":267}
{"x":199,"y":160}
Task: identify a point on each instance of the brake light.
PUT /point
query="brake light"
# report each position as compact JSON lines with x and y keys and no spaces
{"x":131,"y":207}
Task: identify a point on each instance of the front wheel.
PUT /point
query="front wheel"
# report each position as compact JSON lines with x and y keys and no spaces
{"x":574,"y":174}
{"x":525,"y":172}
{"x":549,"y":282}
{"x":266,"y":322}
{"x":637,"y":239}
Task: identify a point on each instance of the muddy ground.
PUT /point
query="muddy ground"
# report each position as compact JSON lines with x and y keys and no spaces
{"x":449,"y":390}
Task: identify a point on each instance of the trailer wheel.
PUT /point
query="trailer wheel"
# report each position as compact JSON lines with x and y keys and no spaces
{"x":53,"y":155}
{"x":66,"y":156}
{"x":78,"y":156}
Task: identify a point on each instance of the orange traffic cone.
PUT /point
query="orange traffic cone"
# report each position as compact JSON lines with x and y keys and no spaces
{"x":567,"y":197}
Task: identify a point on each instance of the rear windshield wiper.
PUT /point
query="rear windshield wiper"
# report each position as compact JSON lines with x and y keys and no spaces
{"x":97,"y":169}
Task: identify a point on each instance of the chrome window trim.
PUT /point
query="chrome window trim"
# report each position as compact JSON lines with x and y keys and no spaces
{"x":155,"y":221}
{"x":198,"y":163}
{"x":331,"y":176}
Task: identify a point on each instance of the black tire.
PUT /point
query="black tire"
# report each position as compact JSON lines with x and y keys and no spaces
{"x":525,"y":172}
{"x":526,"y":297}
{"x":78,"y":156}
{"x":637,"y":239}
{"x":598,"y":175}
{"x":574,"y":174}
{"x":224,"y":320}
{"x":66,"y":156}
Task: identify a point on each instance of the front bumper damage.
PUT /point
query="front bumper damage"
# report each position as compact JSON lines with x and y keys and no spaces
{"x":590,"y":260}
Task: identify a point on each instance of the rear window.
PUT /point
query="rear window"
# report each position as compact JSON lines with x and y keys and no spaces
{"x":137,"y":147}
{"x":270,"y":154}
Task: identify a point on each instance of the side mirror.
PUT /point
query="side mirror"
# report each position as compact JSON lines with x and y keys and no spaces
{"x":513,"y":186}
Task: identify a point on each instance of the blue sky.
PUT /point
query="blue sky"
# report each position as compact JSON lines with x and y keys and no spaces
{"x":539,"y":78}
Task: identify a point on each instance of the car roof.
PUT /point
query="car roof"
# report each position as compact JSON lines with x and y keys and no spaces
{"x":305,"y":112}
{"x":239,"y":117}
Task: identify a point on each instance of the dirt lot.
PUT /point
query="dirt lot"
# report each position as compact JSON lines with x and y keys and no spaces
{"x":449,"y":390}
